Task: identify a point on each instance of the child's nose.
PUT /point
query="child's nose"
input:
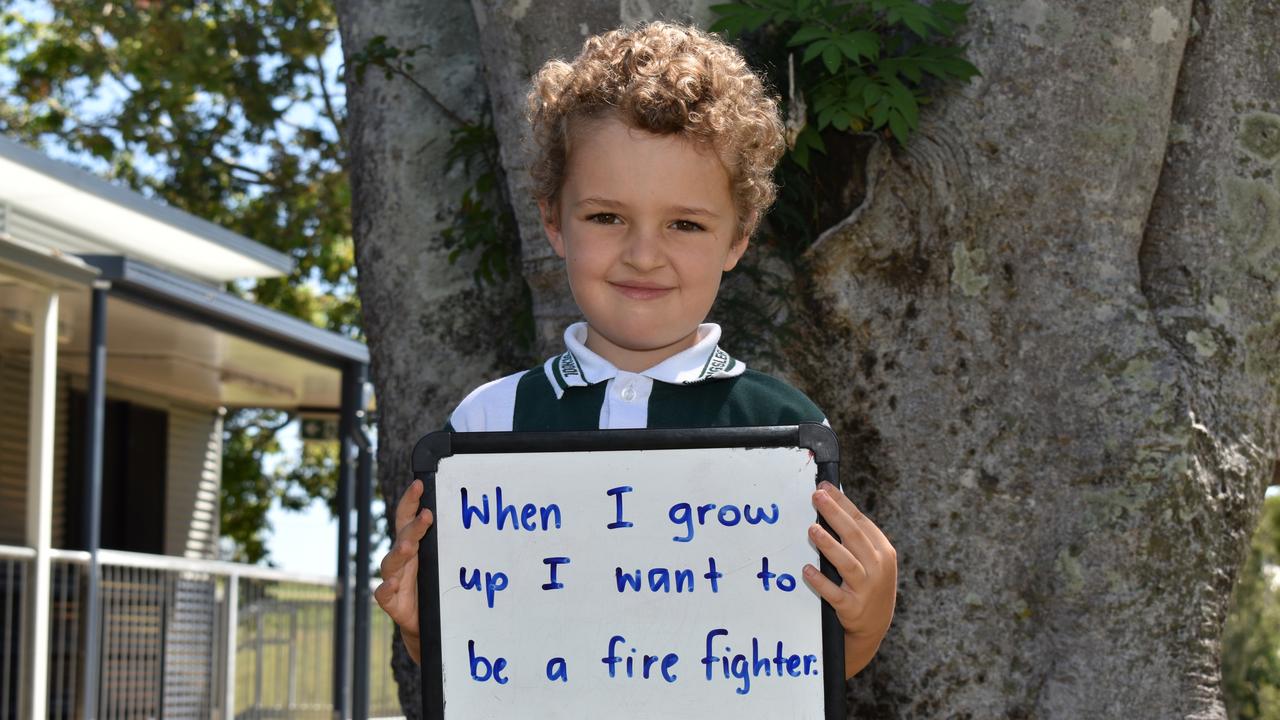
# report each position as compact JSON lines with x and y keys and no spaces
{"x":644,"y":250}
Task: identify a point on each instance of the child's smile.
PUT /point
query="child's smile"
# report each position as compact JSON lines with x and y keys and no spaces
{"x":646,"y":227}
{"x":637,"y":290}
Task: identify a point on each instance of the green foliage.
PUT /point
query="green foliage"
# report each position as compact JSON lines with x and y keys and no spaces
{"x":391,"y":59}
{"x":874,"y":58}
{"x":1251,"y":636}
{"x":227,"y":110}
{"x":483,"y":220}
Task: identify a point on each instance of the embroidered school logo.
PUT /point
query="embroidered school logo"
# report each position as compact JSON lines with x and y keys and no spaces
{"x":718,"y":362}
{"x":569,"y":366}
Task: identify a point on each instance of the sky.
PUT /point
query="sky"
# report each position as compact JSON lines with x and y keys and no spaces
{"x":307,"y":541}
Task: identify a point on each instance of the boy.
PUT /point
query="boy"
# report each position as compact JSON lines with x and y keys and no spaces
{"x":655,"y":153}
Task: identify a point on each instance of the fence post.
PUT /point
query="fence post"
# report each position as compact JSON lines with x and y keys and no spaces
{"x":293,"y":657}
{"x":92,"y":522}
{"x":259,"y":656}
{"x":364,"y":531}
{"x":39,"y":530}
{"x":229,"y":662}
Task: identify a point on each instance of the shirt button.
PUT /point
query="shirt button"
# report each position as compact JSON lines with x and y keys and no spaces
{"x":628,"y":393}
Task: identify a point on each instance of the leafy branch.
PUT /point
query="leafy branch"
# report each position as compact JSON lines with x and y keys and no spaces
{"x":477,"y":224}
{"x":874,"y":58}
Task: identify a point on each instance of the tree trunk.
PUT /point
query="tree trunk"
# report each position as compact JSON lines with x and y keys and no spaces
{"x":433,"y":332}
{"x":1048,"y":335}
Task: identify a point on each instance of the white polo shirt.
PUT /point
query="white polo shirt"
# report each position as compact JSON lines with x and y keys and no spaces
{"x":701,"y":386}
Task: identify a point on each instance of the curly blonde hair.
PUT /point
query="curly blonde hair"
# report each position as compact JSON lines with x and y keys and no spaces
{"x":664,"y":78}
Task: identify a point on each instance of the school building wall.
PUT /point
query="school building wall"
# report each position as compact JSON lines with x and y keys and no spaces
{"x":193,"y":470}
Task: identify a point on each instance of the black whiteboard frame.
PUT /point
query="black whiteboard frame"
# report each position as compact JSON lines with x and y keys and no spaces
{"x":433,"y":447}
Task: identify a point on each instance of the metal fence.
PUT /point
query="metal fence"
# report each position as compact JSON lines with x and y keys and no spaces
{"x":13,"y":605}
{"x":174,"y":644}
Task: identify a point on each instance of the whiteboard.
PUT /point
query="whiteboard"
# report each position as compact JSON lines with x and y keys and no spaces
{"x":626,"y":584}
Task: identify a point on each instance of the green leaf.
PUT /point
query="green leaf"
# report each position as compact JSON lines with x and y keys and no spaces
{"x":899,"y":127}
{"x":952,"y":15}
{"x":912,"y":71}
{"x":879,"y":114}
{"x":919,"y":18}
{"x":860,"y":43}
{"x":831,"y":58}
{"x":856,"y":86}
{"x":728,"y":26}
{"x":811,"y":138}
{"x":824,"y":117}
{"x":815,"y":50}
{"x":903,"y":99}
{"x":808,"y":33}
{"x":848,"y":48}
{"x":917,"y":26}
{"x":801,"y":156}
{"x":760,"y":18}
{"x":872,"y":93}
{"x":735,"y":17}
{"x":854,"y":106}
{"x":99,"y":145}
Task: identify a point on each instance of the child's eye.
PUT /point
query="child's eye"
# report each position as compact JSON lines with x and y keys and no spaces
{"x":689,"y":226}
{"x":602,"y":218}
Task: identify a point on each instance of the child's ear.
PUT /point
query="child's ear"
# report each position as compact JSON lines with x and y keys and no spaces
{"x":738,"y":248}
{"x":736,"y":251}
{"x":551,"y":225}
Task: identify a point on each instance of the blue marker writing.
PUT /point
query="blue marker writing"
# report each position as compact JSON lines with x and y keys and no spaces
{"x":554,"y":562}
{"x":617,"y":494}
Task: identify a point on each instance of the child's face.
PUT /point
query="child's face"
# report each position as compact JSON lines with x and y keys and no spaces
{"x":646,"y":227}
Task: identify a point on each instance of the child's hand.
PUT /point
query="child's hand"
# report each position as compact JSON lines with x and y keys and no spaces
{"x":868,"y":565}
{"x":398,"y":593}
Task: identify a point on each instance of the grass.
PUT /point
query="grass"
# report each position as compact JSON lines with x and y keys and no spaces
{"x":291,"y":626}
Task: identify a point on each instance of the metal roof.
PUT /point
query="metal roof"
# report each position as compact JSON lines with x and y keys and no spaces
{"x":99,"y":217}
{"x":43,"y":266}
{"x":174,"y":294}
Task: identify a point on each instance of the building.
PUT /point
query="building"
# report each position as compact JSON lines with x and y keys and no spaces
{"x":120,"y":353}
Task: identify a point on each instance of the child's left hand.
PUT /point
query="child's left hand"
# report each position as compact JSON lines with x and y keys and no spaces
{"x":868,"y":565}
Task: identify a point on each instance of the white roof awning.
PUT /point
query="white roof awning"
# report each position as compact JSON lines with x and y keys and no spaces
{"x":60,"y":206}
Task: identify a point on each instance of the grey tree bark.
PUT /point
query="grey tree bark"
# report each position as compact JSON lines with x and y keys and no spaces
{"x":433,"y":332}
{"x":1048,"y":334}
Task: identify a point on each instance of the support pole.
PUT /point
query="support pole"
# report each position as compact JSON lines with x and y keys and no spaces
{"x":231,"y":643}
{"x":364,"y":529}
{"x":95,"y":402}
{"x":347,"y":425}
{"x":44,"y":369}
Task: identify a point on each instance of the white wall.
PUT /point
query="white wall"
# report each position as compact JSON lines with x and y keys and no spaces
{"x":194,"y":481}
{"x":193,"y":472}
{"x":15,"y":386}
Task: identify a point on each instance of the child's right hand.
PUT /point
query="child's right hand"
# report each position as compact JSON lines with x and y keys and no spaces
{"x":398,"y":593}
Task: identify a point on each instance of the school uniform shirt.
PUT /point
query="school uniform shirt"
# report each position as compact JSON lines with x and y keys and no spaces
{"x":701,"y":386}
